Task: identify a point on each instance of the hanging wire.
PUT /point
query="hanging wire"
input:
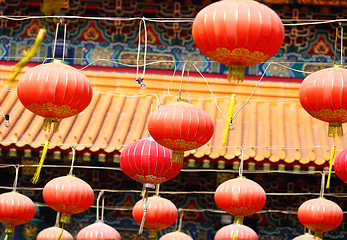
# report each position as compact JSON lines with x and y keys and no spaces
{"x":64,"y":42}
{"x":181,"y":213}
{"x":241,"y":162}
{"x":321,"y":194}
{"x":16,"y":178}
{"x":55,"y":39}
{"x":139,"y":49}
{"x":72,"y":160}
{"x":102,"y":207}
{"x":101,"y":193}
{"x":57,"y":220}
{"x":341,"y":43}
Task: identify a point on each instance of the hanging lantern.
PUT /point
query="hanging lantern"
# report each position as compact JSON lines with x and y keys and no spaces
{"x":306,"y":236}
{"x":98,"y":231}
{"x":180,"y":126}
{"x":15,"y":209}
{"x":320,"y":215}
{"x":340,"y":165}
{"x":176,"y":236}
{"x":68,"y":195}
{"x":53,"y":91}
{"x":236,"y":232}
{"x":240,"y":197}
{"x":160,"y":213}
{"x":52,"y":234}
{"x":148,"y":162}
{"x":322,"y":95}
{"x":238,"y":33}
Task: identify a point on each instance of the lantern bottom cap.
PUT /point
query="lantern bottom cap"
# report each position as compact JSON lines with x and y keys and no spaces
{"x":65,"y":218}
{"x":335,"y":129}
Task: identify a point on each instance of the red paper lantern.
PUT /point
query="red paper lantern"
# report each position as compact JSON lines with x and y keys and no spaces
{"x":161,"y":213}
{"x":15,"y":209}
{"x":146,"y":161}
{"x":320,"y":215}
{"x":340,"y":165}
{"x":306,"y":236}
{"x":323,"y":94}
{"x":238,"y":33}
{"x":54,"y":91}
{"x":68,"y":195}
{"x":98,"y":231}
{"x":240,"y":197}
{"x":236,"y":232}
{"x":180,"y":126}
{"x":52,"y":234}
{"x":176,"y":236}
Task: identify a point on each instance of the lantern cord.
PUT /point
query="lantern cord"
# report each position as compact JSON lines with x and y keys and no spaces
{"x":335,"y":45}
{"x":102,"y":208}
{"x":145,"y":209}
{"x":181,"y":213}
{"x":321,"y":194}
{"x":72,"y":160}
{"x":180,"y":91}
{"x":101,"y":193}
{"x":187,"y":93}
{"x":331,"y":163}
{"x":341,"y":43}
{"x":16,"y":178}
{"x":55,"y":40}
{"x":64,"y":41}
{"x":241,"y":162}
{"x":139,"y":49}
{"x":57,"y":220}
{"x":157,"y":189}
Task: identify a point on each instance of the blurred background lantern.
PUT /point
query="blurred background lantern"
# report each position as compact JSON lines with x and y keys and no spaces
{"x":52,"y":233}
{"x":176,"y":236}
{"x":320,"y":215}
{"x":238,"y":33}
{"x":340,"y":165}
{"x":180,"y":126}
{"x":306,"y":236}
{"x":15,"y":209}
{"x":148,"y":162}
{"x":98,"y":231}
{"x":68,"y":195}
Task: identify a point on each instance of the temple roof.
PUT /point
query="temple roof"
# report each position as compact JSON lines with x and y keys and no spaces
{"x":272,"y":127}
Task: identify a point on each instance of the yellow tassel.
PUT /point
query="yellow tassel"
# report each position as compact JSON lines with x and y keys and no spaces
{"x":230,"y":115}
{"x":18,"y":67}
{"x":332,"y":154}
{"x":153,"y":234}
{"x":38,"y":169}
{"x":177,"y":156}
{"x":9,"y":229}
{"x":236,"y":73}
{"x":60,"y":233}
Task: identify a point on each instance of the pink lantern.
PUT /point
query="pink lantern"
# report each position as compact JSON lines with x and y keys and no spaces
{"x":236,"y":232}
{"x":340,"y":165}
{"x":15,"y":209}
{"x":98,"y":231}
{"x":52,"y":234}
{"x":240,"y":197}
{"x":320,"y":215}
{"x":306,"y":236}
{"x":68,"y":195}
{"x":176,"y":236}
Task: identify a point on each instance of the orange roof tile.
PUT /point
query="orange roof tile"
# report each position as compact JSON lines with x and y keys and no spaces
{"x":272,"y":126}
